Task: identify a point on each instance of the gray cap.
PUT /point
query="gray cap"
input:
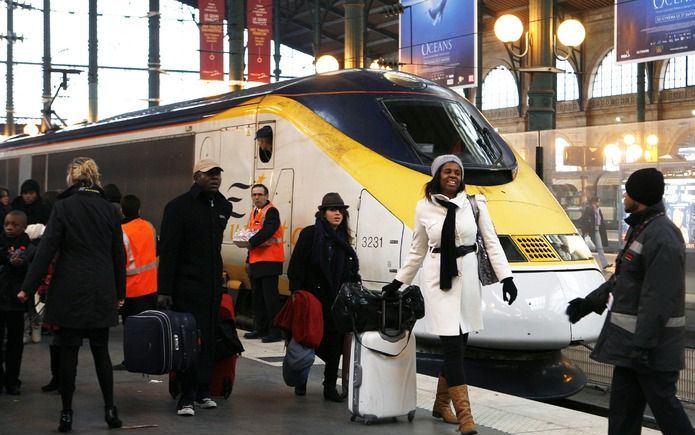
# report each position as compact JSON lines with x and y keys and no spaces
{"x":297,"y":363}
{"x":443,"y":159}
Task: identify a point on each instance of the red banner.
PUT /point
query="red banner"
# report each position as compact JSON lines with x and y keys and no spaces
{"x":260,"y":24}
{"x":211,"y":42}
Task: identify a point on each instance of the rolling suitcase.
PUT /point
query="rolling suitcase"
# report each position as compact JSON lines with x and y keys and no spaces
{"x":227,"y":350}
{"x":382,"y":373}
{"x":157,"y":342}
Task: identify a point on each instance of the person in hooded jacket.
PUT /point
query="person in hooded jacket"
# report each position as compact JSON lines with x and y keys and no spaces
{"x":322,"y":260}
{"x":30,"y":202}
{"x":88,"y":284}
{"x":444,"y":244}
{"x":643,"y":335}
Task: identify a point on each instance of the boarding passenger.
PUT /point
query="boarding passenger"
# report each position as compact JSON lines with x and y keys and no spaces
{"x":322,"y":260}
{"x":266,"y":255}
{"x":190,"y":271}
{"x":644,"y":331}
{"x":594,"y":225}
{"x":88,"y":284}
{"x":264,"y":141}
{"x":16,"y":251}
{"x":4,"y":203}
{"x":113,"y":195}
{"x":444,"y":244}
{"x":140,"y":243}
{"x":30,"y":202}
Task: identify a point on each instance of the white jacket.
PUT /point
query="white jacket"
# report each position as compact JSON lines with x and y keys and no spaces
{"x":461,"y":306}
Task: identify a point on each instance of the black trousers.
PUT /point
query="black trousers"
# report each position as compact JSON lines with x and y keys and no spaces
{"x":454,"y":349}
{"x":195,"y":382}
{"x":632,"y":390}
{"x":12,"y":327}
{"x":266,"y":302}
{"x":133,"y":306}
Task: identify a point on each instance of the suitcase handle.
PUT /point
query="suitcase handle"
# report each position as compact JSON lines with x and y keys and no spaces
{"x":381,"y":352}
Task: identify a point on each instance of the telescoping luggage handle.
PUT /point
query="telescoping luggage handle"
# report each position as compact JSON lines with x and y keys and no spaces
{"x":383,"y":329}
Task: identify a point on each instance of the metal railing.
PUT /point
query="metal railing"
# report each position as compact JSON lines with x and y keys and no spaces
{"x":600,"y":374}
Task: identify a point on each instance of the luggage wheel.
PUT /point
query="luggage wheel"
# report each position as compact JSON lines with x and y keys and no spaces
{"x":411,"y":416}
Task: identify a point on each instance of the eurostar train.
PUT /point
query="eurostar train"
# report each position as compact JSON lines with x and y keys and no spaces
{"x":371,"y":136}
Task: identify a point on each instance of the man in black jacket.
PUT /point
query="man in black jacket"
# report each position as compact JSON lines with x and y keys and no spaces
{"x":30,"y":202}
{"x":190,"y":271}
{"x":594,"y":225}
{"x":643,"y":335}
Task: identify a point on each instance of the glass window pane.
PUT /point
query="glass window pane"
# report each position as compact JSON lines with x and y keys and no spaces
{"x":499,"y":89}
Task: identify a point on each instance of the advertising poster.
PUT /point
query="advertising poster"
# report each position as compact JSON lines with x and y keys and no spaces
{"x":653,"y":29}
{"x":260,"y":24}
{"x":211,"y":39}
{"x":438,"y":40}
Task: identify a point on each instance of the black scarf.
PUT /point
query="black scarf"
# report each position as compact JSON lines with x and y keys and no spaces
{"x":447,"y":256}
{"x":328,"y":252}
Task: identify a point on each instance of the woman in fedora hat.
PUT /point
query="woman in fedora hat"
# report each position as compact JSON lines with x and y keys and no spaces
{"x":321,"y":262}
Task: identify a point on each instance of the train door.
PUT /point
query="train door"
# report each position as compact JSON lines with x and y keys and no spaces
{"x":378,"y":240}
{"x":236,"y":157}
{"x":281,"y":197}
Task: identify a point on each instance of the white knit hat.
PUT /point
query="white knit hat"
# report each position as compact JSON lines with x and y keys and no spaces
{"x":443,"y":159}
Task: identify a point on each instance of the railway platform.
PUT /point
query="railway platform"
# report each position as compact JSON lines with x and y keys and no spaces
{"x":259,"y":404}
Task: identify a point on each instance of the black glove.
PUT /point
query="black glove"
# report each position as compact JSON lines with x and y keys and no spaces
{"x":392,"y":287}
{"x":164,"y":302}
{"x":640,"y":359}
{"x":578,"y":308}
{"x":509,"y":290}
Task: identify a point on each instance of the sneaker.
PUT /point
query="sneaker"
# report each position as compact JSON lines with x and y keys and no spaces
{"x":186,"y":411}
{"x":206,"y":403}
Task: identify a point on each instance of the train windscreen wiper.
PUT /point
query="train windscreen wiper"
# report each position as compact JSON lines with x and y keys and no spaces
{"x":484,"y":140}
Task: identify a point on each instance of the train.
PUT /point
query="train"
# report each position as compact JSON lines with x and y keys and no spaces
{"x":371,"y":136}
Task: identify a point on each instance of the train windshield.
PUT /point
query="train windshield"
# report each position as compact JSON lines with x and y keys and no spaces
{"x":436,"y":127}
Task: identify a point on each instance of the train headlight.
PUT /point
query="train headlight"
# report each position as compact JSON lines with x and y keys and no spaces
{"x":570,"y":246}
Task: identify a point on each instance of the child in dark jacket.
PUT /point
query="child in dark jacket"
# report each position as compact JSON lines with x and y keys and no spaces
{"x":16,"y":251}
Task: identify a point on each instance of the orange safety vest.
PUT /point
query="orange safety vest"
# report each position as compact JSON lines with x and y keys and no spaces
{"x":140,"y":241}
{"x":273,"y":249}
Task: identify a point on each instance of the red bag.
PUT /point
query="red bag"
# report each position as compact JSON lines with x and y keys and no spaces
{"x":302,"y":317}
{"x":224,"y":372}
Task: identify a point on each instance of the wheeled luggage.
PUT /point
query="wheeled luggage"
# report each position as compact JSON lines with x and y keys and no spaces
{"x":157,"y":342}
{"x":382,"y":376}
{"x":227,"y":350}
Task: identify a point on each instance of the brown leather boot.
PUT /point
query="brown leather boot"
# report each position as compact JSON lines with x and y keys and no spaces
{"x":442,"y":407}
{"x":459,"y":395}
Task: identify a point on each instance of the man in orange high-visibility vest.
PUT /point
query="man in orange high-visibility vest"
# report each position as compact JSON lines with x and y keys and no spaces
{"x":140,"y":242}
{"x":266,"y":255}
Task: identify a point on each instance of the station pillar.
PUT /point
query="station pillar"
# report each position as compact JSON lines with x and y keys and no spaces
{"x":541,"y":93}
{"x":354,"y":34}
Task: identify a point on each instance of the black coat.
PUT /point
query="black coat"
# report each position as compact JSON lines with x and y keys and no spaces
{"x":303,"y":275}
{"x":11,"y":276}
{"x":588,"y":225}
{"x":37,"y":212}
{"x":190,"y":262}
{"x":84,"y":231}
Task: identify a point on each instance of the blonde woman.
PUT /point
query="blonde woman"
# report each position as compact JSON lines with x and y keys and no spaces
{"x":88,"y":283}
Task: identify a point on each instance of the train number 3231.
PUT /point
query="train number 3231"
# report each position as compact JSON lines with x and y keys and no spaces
{"x":372,"y":242}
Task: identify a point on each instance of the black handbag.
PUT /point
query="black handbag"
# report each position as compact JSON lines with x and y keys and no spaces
{"x":486,"y":273}
{"x":357,"y":309}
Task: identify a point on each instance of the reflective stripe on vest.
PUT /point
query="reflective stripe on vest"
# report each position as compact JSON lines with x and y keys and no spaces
{"x":140,"y":241}
{"x":629,"y":321}
{"x":272,"y":249}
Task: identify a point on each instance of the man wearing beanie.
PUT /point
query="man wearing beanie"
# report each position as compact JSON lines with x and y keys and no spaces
{"x":643,"y":335}
{"x":30,"y":202}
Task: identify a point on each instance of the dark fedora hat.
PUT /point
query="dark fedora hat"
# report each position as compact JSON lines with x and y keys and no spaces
{"x":332,"y":200}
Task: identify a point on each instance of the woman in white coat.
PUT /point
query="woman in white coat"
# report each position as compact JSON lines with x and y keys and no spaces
{"x":444,"y":245}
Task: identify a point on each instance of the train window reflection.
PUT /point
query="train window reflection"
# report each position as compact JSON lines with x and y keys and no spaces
{"x":569,"y":247}
{"x":443,"y":127}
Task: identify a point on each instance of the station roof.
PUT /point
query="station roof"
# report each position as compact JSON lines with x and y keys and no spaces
{"x":297,"y":17}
